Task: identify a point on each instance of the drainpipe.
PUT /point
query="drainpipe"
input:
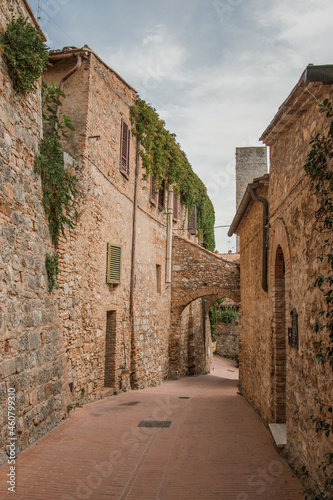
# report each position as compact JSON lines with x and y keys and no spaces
{"x":132,"y":283}
{"x":57,"y":57}
{"x":264,"y":202}
{"x":168,"y":271}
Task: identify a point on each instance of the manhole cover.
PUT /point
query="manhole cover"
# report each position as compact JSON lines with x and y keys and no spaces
{"x":162,"y":424}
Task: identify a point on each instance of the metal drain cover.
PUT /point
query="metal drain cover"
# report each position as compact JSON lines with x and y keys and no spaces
{"x":184,"y":397}
{"x":162,"y":424}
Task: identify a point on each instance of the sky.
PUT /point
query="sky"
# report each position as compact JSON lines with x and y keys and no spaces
{"x":215,"y":70}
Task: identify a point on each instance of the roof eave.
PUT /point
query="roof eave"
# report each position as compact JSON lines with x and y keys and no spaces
{"x":313,"y":81}
{"x":260,"y":181}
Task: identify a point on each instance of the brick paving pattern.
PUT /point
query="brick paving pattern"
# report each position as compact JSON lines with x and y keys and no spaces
{"x":216,"y":448}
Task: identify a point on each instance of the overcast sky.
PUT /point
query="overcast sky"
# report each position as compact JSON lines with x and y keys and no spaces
{"x":215,"y":70}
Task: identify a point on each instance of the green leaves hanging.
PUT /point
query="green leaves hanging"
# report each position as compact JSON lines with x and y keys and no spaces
{"x":163,"y":158}
{"x":25,"y":52}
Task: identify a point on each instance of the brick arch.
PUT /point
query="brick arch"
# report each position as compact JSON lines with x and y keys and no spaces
{"x":279,"y":236}
{"x":280,"y":271}
{"x":196,"y":273}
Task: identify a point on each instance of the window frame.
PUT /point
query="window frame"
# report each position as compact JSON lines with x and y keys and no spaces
{"x":125,"y":139}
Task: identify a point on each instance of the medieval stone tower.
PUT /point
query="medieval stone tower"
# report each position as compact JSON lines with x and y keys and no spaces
{"x":251,"y":163}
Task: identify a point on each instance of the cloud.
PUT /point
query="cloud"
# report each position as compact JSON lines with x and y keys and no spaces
{"x":155,"y":62}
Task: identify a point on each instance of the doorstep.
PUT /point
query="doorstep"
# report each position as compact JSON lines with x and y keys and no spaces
{"x":279,"y":433}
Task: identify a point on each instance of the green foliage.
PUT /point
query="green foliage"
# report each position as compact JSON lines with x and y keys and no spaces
{"x":25,"y":52}
{"x":59,"y":187}
{"x":213,"y":320}
{"x":162,"y":157}
{"x":227,"y":315}
{"x":318,"y":167}
{"x":52,"y":270}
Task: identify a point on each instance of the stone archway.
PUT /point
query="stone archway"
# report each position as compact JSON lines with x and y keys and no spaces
{"x":197,"y":274}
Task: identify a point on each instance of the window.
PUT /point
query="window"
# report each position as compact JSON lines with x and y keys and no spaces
{"x":161,"y":196}
{"x":113,"y":270}
{"x":124,"y":149}
{"x":110,"y":349}
{"x":192,"y":223}
{"x":153,"y":193}
{"x":175,"y":207}
{"x":158,"y":278}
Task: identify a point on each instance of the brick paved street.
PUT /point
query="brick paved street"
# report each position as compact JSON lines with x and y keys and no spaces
{"x":216,"y":448}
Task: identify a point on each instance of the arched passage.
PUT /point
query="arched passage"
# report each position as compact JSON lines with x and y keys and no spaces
{"x":190,"y":343}
{"x":199,"y":277}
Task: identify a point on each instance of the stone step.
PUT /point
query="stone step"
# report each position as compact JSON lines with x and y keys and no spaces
{"x":107,"y":392}
{"x":279,"y":433}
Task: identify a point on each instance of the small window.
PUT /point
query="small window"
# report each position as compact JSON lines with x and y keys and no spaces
{"x":113,"y":270}
{"x":153,"y":192}
{"x":192,"y":223}
{"x":161,"y":196}
{"x":158,"y":278}
{"x":175,"y":207}
{"x":124,"y":149}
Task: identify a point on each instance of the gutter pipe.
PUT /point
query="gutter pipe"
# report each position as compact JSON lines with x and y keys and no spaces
{"x":169,"y":237}
{"x":250,"y":193}
{"x":58,"y":57}
{"x":132,"y":282}
{"x":264,"y":202}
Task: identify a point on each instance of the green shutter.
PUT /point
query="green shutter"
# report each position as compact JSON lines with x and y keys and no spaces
{"x":113,"y":271}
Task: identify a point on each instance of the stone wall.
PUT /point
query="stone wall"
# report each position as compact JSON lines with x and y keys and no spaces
{"x":227,"y":339}
{"x":31,"y":348}
{"x":279,"y":380}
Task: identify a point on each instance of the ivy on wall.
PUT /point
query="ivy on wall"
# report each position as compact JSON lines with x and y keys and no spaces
{"x":25,"y":53}
{"x":318,"y":167}
{"x":58,"y":185}
{"x":163,"y":158}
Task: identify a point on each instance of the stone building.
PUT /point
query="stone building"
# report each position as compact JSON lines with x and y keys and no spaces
{"x":135,"y":286}
{"x":279,"y":249}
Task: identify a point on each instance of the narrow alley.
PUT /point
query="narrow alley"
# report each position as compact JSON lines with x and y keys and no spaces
{"x":212,"y":445}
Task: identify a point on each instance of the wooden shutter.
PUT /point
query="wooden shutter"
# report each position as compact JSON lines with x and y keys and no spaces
{"x":161,"y":196}
{"x":124,"y":148}
{"x":192,"y":223}
{"x":153,"y":193}
{"x":175,"y":207}
{"x":113,"y":270}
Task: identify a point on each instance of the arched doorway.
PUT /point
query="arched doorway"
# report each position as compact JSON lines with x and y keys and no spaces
{"x":279,"y":337}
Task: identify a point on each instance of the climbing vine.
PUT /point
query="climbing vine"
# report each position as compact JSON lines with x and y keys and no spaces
{"x":163,"y":158}
{"x":52,"y":270}
{"x":58,"y":185}
{"x":318,"y":167}
{"x":25,"y":52}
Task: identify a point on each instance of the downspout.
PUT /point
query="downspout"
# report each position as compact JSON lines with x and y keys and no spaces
{"x":264,"y":202}
{"x":168,"y":270}
{"x":132,"y":283}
